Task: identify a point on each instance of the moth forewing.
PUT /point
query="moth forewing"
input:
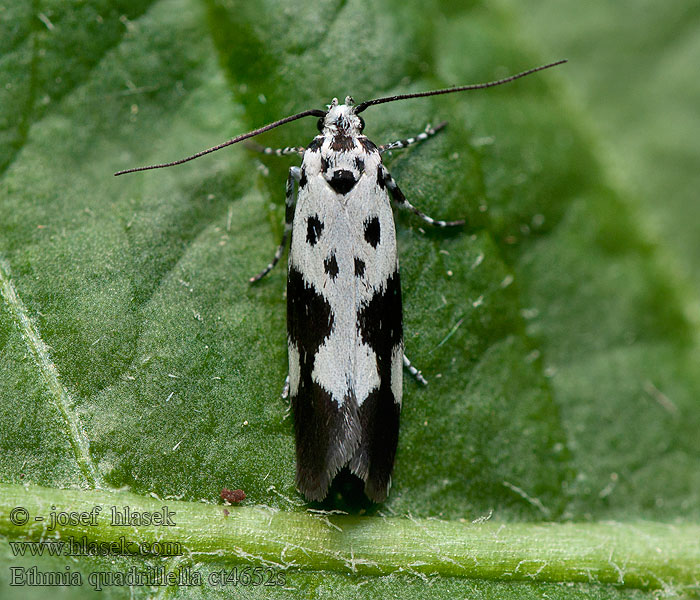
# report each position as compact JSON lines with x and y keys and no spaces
{"x":344,"y":317}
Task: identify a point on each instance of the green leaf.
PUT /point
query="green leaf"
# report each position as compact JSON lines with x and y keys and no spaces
{"x":134,"y":354}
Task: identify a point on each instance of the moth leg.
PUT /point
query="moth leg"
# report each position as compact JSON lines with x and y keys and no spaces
{"x":423,"y":135}
{"x":290,"y":201}
{"x":413,"y":371}
{"x":275,"y":151}
{"x":398,"y":197}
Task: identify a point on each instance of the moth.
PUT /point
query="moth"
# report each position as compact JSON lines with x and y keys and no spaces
{"x":344,"y":312}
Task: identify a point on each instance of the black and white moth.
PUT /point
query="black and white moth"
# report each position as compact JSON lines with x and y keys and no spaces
{"x":344,"y":315}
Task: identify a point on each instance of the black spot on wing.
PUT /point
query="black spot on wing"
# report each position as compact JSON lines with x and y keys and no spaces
{"x":380,"y":324}
{"x":379,"y":437}
{"x":359,"y":267}
{"x":359,"y":165}
{"x":309,"y":317}
{"x":330,"y":266}
{"x":381,"y":182}
{"x":327,"y":434}
{"x":315,"y":144}
{"x":303,"y":180}
{"x":373,"y":231}
{"x":326,"y":430}
{"x":324,"y":164}
{"x":314,"y":227}
{"x":342,"y":181}
{"x":367,"y":144}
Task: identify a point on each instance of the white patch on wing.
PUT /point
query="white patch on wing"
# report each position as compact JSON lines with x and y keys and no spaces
{"x":294,"y":368}
{"x":345,"y":366}
{"x":397,"y":373}
{"x":332,"y":365}
{"x":366,"y":373}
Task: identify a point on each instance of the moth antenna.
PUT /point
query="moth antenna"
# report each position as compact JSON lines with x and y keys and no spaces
{"x":239,"y":138}
{"x":462,"y":88}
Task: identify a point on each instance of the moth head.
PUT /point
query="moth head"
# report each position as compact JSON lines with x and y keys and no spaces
{"x":341,"y":119}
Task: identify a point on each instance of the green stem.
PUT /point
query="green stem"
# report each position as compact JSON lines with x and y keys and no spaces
{"x":640,"y":554}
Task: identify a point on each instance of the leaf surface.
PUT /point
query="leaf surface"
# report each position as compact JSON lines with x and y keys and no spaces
{"x":135,"y":354}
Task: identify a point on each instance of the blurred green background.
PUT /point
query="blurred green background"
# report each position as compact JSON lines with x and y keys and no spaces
{"x":633,"y":85}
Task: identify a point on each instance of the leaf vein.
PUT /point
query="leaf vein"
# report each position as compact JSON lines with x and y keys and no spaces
{"x":49,"y":374}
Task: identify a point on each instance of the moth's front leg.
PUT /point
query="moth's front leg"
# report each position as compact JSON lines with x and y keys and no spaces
{"x":423,"y":135}
{"x":398,"y":197}
{"x":290,"y":203}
